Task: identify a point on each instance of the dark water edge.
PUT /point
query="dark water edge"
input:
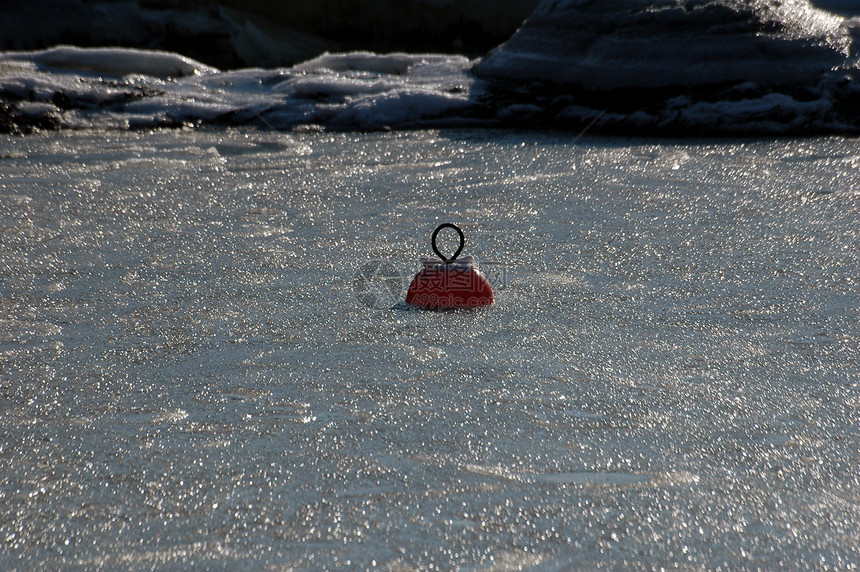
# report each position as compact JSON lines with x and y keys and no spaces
{"x":640,"y":113}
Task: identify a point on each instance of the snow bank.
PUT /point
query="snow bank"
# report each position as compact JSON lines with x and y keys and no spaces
{"x":126,"y":88}
{"x":112,"y":61}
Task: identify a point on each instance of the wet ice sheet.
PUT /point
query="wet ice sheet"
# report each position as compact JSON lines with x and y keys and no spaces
{"x":187,"y":376}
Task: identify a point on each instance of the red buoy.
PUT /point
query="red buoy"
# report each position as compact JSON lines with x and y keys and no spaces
{"x":449,"y":283}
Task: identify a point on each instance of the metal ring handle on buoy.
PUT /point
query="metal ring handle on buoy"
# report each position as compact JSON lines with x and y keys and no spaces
{"x":459,"y":250}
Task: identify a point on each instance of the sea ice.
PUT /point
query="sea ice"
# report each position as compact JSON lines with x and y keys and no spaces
{"x":631,"y":60}
{"x":690,"y":68}
{"x":113,"y":61}
{"x":660,"y":43}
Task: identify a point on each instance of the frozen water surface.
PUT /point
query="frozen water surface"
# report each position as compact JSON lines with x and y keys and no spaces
{"x":192,"y":376}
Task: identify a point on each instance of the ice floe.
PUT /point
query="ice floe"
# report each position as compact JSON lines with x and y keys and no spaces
{"x":128,"y":88}
{"x":680,"y":67}
{"x":602,"y":45}
{"x":687,"y":67}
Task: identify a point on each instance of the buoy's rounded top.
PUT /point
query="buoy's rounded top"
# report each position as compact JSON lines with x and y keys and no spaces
{"x":436,"y":249}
